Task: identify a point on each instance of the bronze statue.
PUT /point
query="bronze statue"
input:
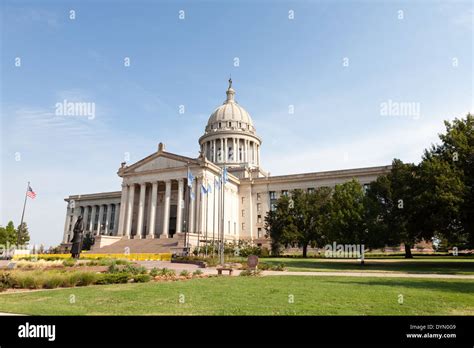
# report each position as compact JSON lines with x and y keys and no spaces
{"x":77,"y":238}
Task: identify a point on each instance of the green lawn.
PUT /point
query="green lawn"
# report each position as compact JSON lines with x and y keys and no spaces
{"x":422,"y":265}
{"x":255,"y":296}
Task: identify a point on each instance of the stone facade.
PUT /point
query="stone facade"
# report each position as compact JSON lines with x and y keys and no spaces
{"x":157,"y":199}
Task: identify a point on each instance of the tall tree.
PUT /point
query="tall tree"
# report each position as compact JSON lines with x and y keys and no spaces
{"x":449,"y":173}
{"x":24,"y":236}
{"x":346,"y":224}
{"x":397,"y":207}
{"x":299,"y":219}
{"x":8,"y":234}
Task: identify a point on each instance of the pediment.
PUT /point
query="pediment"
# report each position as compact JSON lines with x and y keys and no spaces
{"x":160,"y":161}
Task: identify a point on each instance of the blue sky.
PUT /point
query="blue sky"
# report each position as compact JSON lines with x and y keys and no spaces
{"x":337,"y":121}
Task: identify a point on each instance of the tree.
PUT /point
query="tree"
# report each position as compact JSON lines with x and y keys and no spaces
{"x":379,"y":206}
{"x":448,"y":169}
{"x":299,"y":219}
{"x":8,"y":234}
{"x":24,"y":236}
{"x":402,"y":215}
{"x":346,"y":218}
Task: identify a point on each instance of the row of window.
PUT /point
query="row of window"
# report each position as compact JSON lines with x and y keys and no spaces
{"x":229,"y":124}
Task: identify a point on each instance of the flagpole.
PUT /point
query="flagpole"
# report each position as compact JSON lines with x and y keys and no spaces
{"x":198,"y":214}
{"x":222,"y":217}
{"x":214,"y":219}
{"x":206,"y":214}
{"x":186,"y":216}
{"x":22,"y":215}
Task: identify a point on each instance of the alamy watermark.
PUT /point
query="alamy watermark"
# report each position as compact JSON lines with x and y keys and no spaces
{"x":348,"y":251}
{"x":401,"y":109}
{"x":68,"y":108}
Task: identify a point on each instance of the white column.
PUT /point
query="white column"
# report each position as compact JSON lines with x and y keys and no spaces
{"x":166,"y":212}
{"x":151,"y":223}
{"x":234,"y":150}
{"x":141,"y":209}
{"x":198,"y":206}
{"x":214,"y":150}
{"x":131,"y":196}
{"x":191,"y":211}
{"x":179,"y":212}
{"x":123,"y":210}
{"x":91,"y":225}
{"x":107,"y":219}
{"x":253,"y":152}
{"x":226,"y":155}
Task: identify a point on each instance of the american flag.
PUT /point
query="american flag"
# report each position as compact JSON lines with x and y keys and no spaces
{"x":30,"y":193}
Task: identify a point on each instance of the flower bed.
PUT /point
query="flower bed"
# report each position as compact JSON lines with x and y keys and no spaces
{"x":91,"y":256}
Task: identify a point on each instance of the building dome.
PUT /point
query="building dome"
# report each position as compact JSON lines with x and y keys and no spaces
{"x":230,"y":115}
{"x":230,"y":137}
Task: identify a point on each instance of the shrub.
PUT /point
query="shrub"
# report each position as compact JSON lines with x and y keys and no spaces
{"x":197,"y":272}
{"x":154,"y":272}
{"x":26,"y":280}
{"x":51,"y":281}
{"x":279,"y":267}
{"x":167,"y":272}
{"x":184,"y":273}
{"x":69,"y":262}
{"x":86,"y":278}
{"x":6,"y":281}
{"x":113,"y":278}
{"x":135,"y":269}
{"x":113,"y":268}
{"x":248,"y":272}
{"x":141,"y":278}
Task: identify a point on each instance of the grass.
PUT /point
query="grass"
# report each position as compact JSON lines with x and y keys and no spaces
{"x":254,"y":296}
{"x":436,"y":265}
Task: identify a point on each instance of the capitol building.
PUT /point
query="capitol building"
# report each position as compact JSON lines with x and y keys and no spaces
{"x":167,"y":199}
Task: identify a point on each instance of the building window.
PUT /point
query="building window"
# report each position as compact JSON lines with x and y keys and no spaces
{"x":220,"y":125}
{"x":311,"y":190}
{"x":258,"y":196}
{"x":243,"y":213}
{"x":229,"y":124}
{"x":72,"y":210}
{"x":243,"y":200}
{"x":273,"y":206}
{"x":259,"y":219}
{"x":259,"y":206}
{"x":243,"y":226}
{"x":284,"y":192}
{"x":259,"y":233}
{"x":366,"y":188}
{"x":272,"y":195}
